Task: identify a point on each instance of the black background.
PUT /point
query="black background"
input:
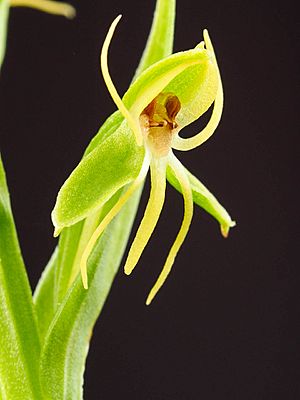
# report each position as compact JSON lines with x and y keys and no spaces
{"x":224,"y":326}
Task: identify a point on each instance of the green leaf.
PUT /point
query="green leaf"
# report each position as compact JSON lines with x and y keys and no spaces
{"x":205,"y":199}
{"x":19,"y":339}
{"x":158,"y":76}
{"x":4,"y":12}
{"x":67,"y":342}
{"x":44,"y":296}
{"x":160,"y":41}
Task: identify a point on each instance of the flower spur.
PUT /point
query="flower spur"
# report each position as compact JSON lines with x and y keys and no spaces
{"x":164,"y":99}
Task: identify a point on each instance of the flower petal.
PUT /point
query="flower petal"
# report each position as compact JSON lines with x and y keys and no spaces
{"x":187,"y":218}
{"x":151,"y":215}
{"x":195,"y":141}
{"x":205,"y":199}
{"x":158,"y":78}
{"x":111,"y":87}
{"x":107,"y":219}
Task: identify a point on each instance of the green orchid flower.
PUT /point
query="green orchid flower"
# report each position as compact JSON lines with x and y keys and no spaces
{"x":164,"y":99}
{"x":48,"y":6}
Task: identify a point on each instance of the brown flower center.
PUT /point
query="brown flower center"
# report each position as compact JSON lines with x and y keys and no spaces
{"x":158,"y":122}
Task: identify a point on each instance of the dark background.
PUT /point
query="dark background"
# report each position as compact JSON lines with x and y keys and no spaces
{"x":225,"y":324}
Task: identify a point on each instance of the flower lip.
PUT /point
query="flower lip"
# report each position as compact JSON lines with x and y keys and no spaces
{"x":158,"y":123}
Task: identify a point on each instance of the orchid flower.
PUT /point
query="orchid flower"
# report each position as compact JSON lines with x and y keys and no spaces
{"x":165,"y":98}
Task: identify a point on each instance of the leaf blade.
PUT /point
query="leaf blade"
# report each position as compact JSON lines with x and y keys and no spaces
{"x":160,"y":41}
{"x":19,"y":339}
{"x":44,"y":296}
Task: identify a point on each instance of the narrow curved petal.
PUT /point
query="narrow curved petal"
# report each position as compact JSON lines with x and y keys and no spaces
{"x":111,"y":87}
{"x":205,"y":199}
{"x":51,"y":7}
{"x":195,"y":141}
{"x":108,"y":218}
{"x":187,"y":218}
{"x":151,"y":215}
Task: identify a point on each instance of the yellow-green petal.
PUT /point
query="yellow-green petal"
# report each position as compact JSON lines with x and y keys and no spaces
{"x":205,"y":199}
{"x":184,"y":183}
{"x":202,"y":103}
{"x":110,"y":216}
{"x":151,"y":215}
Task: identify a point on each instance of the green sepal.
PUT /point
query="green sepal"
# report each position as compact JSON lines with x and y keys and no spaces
{"x":173,"y":74}
{"x":196,"y":88}
{"x":205,"y":199}
{"x":109,"y":127}
{"x":19,"y":338}
{"x":110,"y":166}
